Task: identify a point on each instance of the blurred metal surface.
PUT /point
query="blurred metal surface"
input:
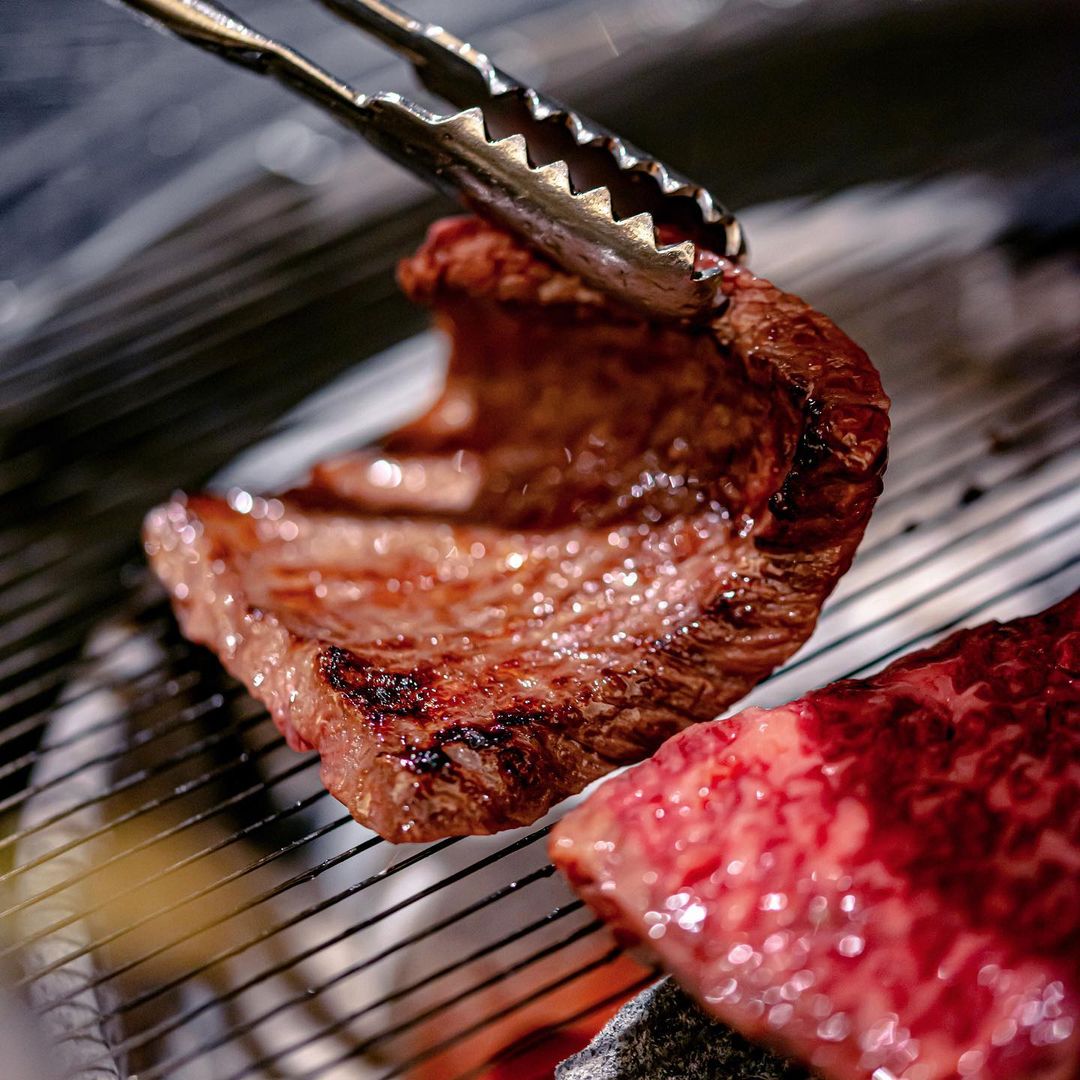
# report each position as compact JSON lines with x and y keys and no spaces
{"x":111,"y":140}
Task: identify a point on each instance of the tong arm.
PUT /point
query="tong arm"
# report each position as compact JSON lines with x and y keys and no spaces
{"x":579,"y":194}
{"x":446,"y":65}
{"x":213,"y":27}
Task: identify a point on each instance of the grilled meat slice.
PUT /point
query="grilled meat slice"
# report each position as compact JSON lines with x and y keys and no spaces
{"x":606,"y":528}
{"x":881,"y":878}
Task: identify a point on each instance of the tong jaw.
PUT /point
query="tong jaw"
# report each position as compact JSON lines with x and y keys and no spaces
{"x":596,"y":158}
{"x":579,"y":193}
{"x":712,"y":225}
{"x":578,"y":230}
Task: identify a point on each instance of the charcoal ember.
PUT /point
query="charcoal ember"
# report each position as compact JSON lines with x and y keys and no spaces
{"x":663,"y":1035}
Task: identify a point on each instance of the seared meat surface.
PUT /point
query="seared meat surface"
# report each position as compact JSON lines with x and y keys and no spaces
{"x":881,"y":878}
{"x":606,"y":528}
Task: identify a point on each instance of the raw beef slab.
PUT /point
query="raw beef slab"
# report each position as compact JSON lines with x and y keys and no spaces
{"x":881,"y":878}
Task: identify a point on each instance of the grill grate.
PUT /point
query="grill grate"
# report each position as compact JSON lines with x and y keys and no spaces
{"x":183,"y":899}
{"x":178,"y":895}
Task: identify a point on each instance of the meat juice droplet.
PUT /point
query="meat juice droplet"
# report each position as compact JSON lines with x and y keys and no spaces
{"x":835,"y":1028}
{"x":850,"y":945}
{"x":740,"y":954}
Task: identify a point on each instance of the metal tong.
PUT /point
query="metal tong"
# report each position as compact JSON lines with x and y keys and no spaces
{"x":580,"y":194}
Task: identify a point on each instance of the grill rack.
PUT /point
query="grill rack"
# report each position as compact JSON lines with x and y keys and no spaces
{"x":129,"y":762}
{"x":980,"y":517}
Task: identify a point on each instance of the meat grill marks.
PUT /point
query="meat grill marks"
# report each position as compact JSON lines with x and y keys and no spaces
{"x":605,"y":529}
{"x":883,"y":875}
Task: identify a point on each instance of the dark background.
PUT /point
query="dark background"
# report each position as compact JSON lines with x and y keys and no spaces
{"x":764,"y":99}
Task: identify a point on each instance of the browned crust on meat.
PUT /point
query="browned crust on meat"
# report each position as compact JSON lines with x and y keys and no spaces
{"x":419,"y":747}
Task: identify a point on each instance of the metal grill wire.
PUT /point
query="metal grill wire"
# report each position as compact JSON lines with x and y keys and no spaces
{"x":179,"y":895}
{"x":184,"y":899}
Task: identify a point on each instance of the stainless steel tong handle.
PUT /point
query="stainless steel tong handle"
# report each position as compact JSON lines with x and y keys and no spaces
{"x":218,"y":30}
{"x":448,"y":66}
{"x":581,"y":195}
